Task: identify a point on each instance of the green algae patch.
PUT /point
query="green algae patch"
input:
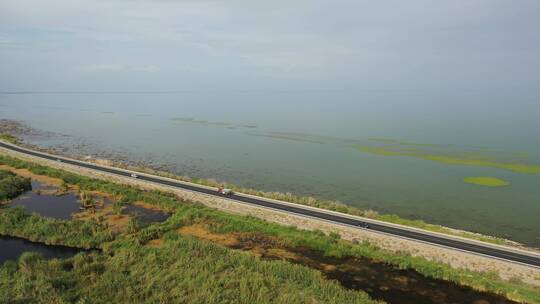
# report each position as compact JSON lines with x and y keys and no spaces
{"x":383,"y":140}
{"x":402,"y":143}
{"x":486,"y":181}
{"x":474,"y":159}
{"x":285,"y":137}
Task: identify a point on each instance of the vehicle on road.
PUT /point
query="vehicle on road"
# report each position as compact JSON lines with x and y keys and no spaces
{"x":134,"y":175}
{"x":59,"y":160}
{"x":225,"y":191}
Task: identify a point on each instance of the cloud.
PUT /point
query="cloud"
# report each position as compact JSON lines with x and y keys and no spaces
{"x":389,"y":43}
{"x":104,"y":67}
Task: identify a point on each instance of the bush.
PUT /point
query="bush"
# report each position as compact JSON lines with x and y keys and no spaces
{"x":16,"y":222}
{"x":12,"y":185}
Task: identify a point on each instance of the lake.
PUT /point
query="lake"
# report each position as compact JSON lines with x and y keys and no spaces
{"x":398,"y":152}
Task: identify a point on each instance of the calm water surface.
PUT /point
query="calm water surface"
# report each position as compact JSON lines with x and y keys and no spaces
{"x":301,"y":142}
{"x":147,"y":216}
{"x":59,"y":207}
{"x":12,"y":248}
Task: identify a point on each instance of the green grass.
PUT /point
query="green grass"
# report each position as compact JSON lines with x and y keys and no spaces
{"x":12,"y":185}
{"x":9,"y":138}
{"x":186,"y":213}
{"x":487,"y":181}
{"x":184,"y":270}
{"x":16,"y":222}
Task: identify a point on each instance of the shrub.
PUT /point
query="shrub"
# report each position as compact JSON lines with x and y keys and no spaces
{"x":12,"y":185}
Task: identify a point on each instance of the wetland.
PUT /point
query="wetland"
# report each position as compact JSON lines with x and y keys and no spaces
{"x":377,"y":278}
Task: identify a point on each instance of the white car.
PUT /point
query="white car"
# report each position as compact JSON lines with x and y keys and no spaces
{"x":227,"y":192}
{"x":134,"y":175}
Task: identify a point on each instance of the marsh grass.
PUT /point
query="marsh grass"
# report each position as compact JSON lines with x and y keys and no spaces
{"x":183,"y":270}
{"x":82,"y":234}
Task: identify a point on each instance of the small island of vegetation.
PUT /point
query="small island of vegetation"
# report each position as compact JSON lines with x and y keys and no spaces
{"x":486,"y":181}
{"x":12,"y":185}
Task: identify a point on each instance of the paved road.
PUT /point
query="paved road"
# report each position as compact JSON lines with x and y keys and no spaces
{"x":475,"y":247}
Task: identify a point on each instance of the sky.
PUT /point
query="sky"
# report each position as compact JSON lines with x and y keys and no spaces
{"x":143,"y":45}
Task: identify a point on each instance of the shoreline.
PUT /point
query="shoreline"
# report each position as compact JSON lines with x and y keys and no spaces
{"x":13,"y":132}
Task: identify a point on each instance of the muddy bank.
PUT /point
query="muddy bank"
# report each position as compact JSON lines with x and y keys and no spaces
{"x":381,"y":281}
{"x":388,"y":283}
{"x":146,"y":215}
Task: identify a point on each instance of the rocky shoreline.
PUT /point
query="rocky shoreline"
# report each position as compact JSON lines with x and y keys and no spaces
{"x":81,"y":150}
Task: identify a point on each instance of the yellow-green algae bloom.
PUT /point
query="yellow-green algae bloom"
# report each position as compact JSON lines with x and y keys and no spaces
{"x":452,"y":157}
{"x":487,"y":181}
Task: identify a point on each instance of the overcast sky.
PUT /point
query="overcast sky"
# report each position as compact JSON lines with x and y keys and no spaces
{"x":237,"y":45}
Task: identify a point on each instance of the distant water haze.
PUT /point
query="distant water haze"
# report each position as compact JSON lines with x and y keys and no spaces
{"x":314,"y":143}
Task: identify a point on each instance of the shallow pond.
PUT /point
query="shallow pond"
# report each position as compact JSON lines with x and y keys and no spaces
{"x":44,"y":201}
{"x":12,"y":248}
{"x":40,"y":201}
{"x":147,"y":216}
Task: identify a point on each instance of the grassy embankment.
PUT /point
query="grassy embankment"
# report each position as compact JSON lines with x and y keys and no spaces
{"x":9,"y":138}
{"x":82,"y":234}
{"x":128,"y":249}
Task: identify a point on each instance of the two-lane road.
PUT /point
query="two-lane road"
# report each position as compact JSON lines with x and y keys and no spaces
{"x":499,"y":252}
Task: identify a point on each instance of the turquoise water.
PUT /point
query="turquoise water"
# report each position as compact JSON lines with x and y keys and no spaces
{"x":304,"y":142}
